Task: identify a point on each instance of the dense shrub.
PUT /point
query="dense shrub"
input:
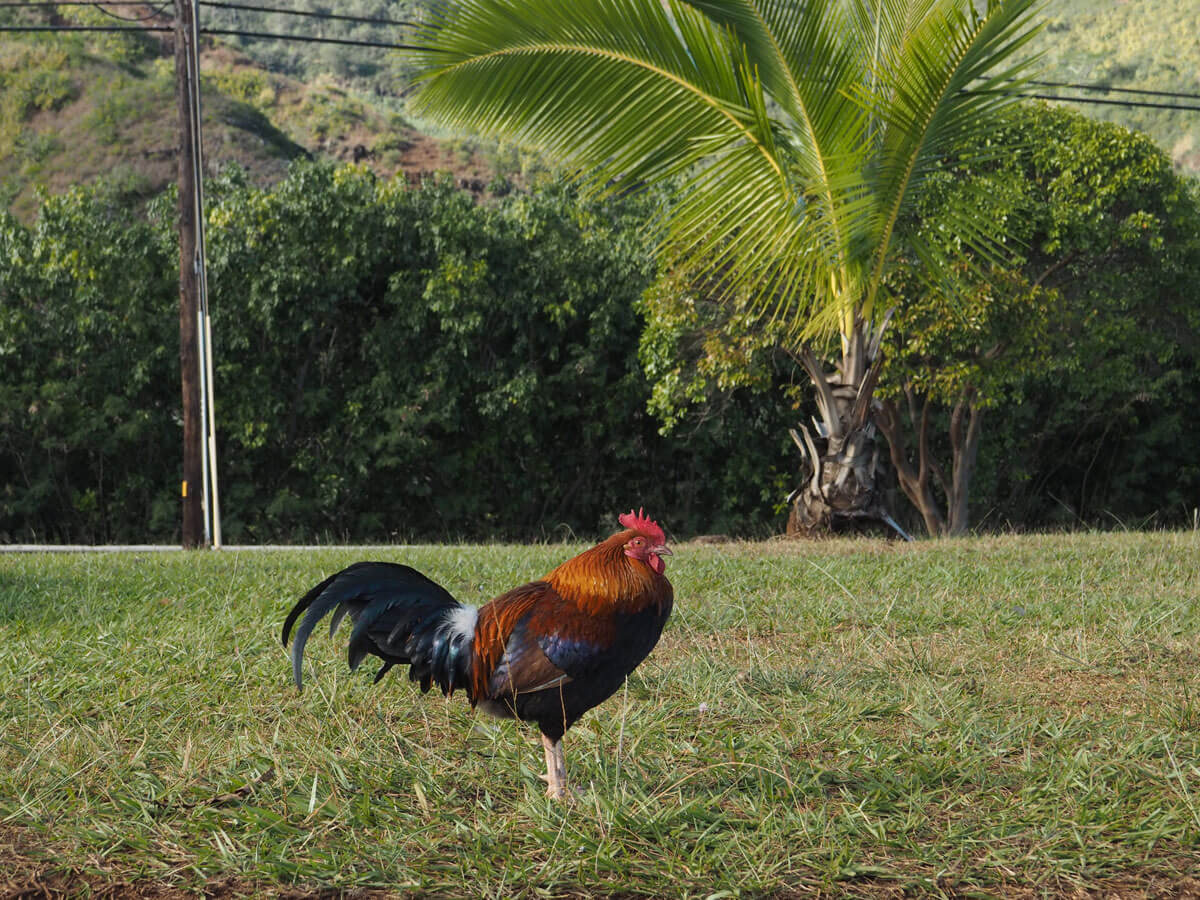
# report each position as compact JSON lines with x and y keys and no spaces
{"x":88,"y":373}
{"x":392,"y":363}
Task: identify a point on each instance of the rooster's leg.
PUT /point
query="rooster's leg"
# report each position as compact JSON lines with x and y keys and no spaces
{"x":556,"y":769}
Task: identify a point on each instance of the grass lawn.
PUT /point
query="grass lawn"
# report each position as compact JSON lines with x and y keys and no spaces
{"x":1013,"y":716}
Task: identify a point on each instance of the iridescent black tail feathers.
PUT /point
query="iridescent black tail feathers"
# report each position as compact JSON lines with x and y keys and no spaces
{"x":399,"y":615}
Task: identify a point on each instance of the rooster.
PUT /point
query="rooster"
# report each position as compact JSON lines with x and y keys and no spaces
{"x":545,"y":652}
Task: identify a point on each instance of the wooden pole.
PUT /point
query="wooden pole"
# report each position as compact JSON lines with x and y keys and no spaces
{"x":189,"y":290}
{"x":208,"y":416}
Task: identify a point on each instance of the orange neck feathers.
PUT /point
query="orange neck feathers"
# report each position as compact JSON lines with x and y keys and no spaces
{"x":603,"y":580}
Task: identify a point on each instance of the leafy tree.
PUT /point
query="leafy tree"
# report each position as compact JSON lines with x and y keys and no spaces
{"x":797,"y":138}
{"x":951,"y":362}
{"x":88,"y":362}
{"x":1084,"y":346}
{"x":1081,"y":357}
{"x":956,"y":352}
{"x":1105,"y":428}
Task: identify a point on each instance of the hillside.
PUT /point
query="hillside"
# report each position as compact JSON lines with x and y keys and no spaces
{"x":381,"y":71}
{"x":1142,"y":44}
{"x":74,"y":108}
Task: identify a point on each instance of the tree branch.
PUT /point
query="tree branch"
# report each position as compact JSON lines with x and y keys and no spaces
{"x":914,"y":484}
{"x":1069,"y":258}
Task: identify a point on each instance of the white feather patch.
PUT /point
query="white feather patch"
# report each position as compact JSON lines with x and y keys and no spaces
{"x":462,"y":621}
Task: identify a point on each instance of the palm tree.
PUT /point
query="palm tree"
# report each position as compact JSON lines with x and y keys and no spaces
{"x":795,"y":137}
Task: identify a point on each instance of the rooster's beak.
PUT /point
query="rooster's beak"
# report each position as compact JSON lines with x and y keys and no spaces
{"x":661,"y":550}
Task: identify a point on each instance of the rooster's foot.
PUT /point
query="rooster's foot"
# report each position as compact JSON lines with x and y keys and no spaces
{"x":556,"y":769}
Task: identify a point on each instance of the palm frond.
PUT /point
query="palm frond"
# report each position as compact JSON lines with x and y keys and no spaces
{"x":808,"y":67}
{"x":635,"y":90}
{"x":926,"y":104}
{"x":619,"y":86}
{"x":795,"y":136}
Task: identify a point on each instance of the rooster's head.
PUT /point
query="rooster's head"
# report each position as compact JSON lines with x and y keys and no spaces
{"x":647,"y":542}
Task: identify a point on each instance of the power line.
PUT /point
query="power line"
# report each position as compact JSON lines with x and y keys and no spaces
{"x":28,"y":28}
{"x":100,"y":4}
{"x":24,"y":4}
{"x":154,"y":12}
{"x":271,"y":36}
{"x":1108,"y":89}
{"x":220,"y":4}
{"x":95,"y":4}
{"x":1128,"y":104}
{"x":1114,"y":90}
{"x":301,"y":12}
{"x":247,"y":34}
{"x":381,"y":45}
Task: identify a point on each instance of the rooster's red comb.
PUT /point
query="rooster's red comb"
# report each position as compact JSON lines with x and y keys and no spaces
{"x":639,"y":521}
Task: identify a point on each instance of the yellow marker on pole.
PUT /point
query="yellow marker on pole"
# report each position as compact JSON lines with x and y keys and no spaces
{"x":185,"y":488}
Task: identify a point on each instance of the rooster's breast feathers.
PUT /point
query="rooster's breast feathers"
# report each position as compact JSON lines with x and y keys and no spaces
{"x":577,"y":633}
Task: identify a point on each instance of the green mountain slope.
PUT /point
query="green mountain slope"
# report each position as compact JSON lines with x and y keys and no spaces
{"x":380,"y":70}
{"x":73,"y":107}
{"x":76,"y":107}
{"x":1145,"y":44}
{"x":1142,"y":44}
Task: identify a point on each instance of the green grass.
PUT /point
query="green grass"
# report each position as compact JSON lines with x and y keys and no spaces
{"x":1005,"y":716}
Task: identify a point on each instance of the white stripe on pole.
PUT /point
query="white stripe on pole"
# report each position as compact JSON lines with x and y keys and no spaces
{"x":212,"y":424}
{"x":208,"y":421}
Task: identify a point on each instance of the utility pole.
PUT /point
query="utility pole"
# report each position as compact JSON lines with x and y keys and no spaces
{"x":201,"y":509}
{"x":189,"y":288}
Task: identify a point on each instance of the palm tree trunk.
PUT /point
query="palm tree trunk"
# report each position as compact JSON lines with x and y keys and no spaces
{"x":842,"y":490}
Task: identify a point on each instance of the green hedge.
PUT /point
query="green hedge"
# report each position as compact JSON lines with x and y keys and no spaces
{"x":393,"y":363}
{"x":401,"y":362}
